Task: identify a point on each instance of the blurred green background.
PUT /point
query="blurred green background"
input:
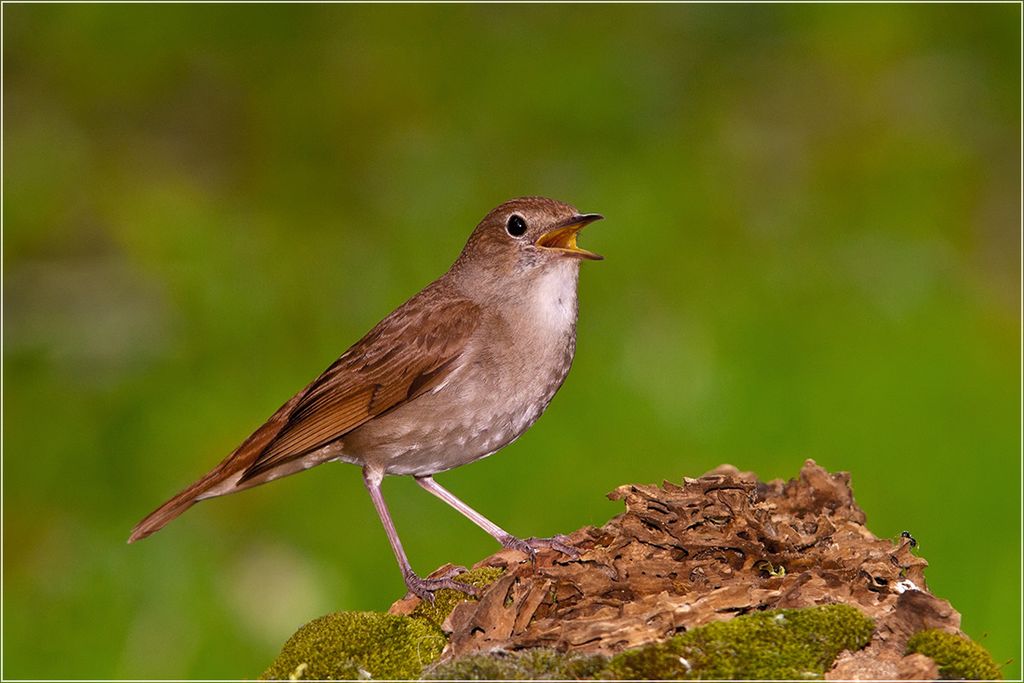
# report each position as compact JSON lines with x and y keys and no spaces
{"x":812,"y":245}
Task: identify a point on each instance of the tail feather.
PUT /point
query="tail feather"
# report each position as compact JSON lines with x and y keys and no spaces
{"x":156,"y":520}
{"x":221,"y":479}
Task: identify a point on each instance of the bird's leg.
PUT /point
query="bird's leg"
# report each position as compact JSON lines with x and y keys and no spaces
{"x":424,"y":588}
{"x":507,"y":540}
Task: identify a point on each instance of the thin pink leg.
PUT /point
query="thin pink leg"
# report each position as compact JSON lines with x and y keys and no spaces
{"x":503,"y":537}
{"x":424,"y":588}
{"x":499,"y":534}
{"x":373,"y":486}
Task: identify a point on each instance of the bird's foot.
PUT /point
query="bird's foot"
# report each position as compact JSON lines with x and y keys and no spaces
{"x":530,"y":546}
{"x":425,"y":588}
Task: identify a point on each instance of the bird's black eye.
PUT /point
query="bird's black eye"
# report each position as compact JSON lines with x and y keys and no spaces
{"x":516,"y":226}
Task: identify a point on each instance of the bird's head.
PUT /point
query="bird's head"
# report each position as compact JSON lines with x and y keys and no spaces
{"x":523,"y":238}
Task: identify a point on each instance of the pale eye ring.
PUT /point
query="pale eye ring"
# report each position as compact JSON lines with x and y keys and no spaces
{"x":516,"y":225}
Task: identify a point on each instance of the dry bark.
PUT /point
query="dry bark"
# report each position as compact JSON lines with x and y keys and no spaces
{"x":715,"y":547}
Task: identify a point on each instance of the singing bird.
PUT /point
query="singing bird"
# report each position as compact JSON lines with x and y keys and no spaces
{"x":454,"y":374}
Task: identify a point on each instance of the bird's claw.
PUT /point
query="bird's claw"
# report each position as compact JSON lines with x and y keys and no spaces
{"x":530,"y":546}
{"x":425,"y":588}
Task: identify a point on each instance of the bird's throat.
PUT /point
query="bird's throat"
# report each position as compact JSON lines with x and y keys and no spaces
{"x":553,"y":302}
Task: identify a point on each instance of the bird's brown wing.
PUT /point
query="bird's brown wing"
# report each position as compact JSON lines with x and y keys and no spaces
{"x":407,"y":354}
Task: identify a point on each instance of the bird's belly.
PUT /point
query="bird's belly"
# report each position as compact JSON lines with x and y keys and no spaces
{"x":464,"y":421}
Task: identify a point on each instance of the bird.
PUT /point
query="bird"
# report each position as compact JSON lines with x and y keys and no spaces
{"x":454,"y":374}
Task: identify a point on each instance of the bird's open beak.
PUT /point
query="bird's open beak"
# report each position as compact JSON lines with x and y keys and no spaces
{"x":563,"y":238}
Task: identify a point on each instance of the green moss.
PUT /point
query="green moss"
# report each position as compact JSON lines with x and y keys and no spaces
{"x":789,"y":643}
{"x":538,"y":664}
{"x":776,"y":644}
{"x":349,"y":645}
{"x":445,"y":600}
{"x":957,"y":657}
{"x":799,"y":643}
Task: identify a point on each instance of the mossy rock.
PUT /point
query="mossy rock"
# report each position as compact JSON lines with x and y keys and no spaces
{"x":955,"y":656}
{"x":787,"y":643}
{"x":353,"y":645}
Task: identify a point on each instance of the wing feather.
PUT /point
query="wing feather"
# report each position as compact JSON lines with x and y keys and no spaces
{"x":407,"y":354}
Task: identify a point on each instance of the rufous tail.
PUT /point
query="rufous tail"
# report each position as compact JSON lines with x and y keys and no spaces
{"x":156,"y":520}
{"x":218,"y":481}
{"x":226,"y":477}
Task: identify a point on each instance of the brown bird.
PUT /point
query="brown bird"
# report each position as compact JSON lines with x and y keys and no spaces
{"x":454,"y":374}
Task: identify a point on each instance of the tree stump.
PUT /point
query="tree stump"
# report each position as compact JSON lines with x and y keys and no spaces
{"x":638,"y":600}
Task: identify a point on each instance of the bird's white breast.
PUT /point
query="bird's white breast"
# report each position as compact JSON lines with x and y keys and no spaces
{"x":502,"y":383}
{"x":553,"y":300}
